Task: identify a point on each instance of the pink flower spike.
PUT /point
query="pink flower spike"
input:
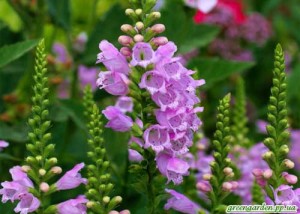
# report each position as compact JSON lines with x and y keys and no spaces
{"x":3,"y":144}
{"x":76,"y":206}
{"x":28,"y":203}
{"x":71,"y":179}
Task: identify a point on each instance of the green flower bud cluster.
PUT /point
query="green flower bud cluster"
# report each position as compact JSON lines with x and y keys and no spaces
{"x":239,"y":118}
{"x":99,"y":185}
{"x":278,"y":134}
{"x":221,"y":167}
{"x":40,"y":164}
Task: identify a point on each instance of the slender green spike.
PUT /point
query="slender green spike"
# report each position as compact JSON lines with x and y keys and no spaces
{"x":99,"y":186}
{"x":278,"y":134}
{"x":221,"y":167}
{"x":239,"y":117}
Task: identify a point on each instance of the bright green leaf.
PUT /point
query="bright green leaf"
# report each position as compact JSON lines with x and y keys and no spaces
{"x":10,"y":53}
{"x":213,"y":70}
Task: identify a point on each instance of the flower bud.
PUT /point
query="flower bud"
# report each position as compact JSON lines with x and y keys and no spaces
{"x":42,"y":172}
{"x":257,"y":172}
{"x":90,"y":204}
{"x":126,"y":28}
{"x":203,"y":186}
{"x":235,"y":185}
{"x":44,"y":187}
{"x":138,"y":12}
{"x":138,"y":38}
{"x":291,"y":179}
{"x":26,"y":168}
{"x":158,"y":28}
{"x":156,"y":15}
{"x":56,"y":170}
{"x":53,"y":160}
{"x":139,"y":25}
{"x":113,"y":212}
{"x":289,"y":164}
{"x":207,"y":177}
{"x":227,"y":186}
{"x":106,"y":199}
{"x":158,"y":41}
{"x":125,"y":212}
{"x":126,"y":51}
{"x":125,"y":40}
{"x":284,"y":150}
{"x":267,"y":174}
{"x":129,"y":12}
{"x":200,"y":146}
{"x":38,"y":158}
{"x":227,"y":170}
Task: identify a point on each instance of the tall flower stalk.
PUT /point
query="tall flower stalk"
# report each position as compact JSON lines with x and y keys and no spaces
{"x":30,"y":185}
{"x":99,"y":186}
{"x":278,"y":134}
{"x":220,"y":179}
{"x":157,"y":99}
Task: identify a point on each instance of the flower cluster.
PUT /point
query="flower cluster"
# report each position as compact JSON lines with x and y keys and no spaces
{"x":237,"y":28}
{"x":148,"y":72}
{"x":19,"y":188}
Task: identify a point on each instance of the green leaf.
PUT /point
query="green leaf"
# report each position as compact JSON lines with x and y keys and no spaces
{"x":60,"y":13}
{"x":69,"y":109}
{"x":14,"y":133}
{"x":107,"y":28}
{"x":4,"y":156}
{"x":12,"y":52}
{"x":213,"y":70}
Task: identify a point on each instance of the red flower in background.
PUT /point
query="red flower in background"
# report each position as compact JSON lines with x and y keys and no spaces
{"x":234,"y":7}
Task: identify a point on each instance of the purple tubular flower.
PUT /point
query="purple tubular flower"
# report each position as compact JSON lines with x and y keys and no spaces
{"x":125,"y":104}
{"x":172,"y":167}
{"x":285,"y":195}
{"x":165,"y":52}
{"x":113,"y":82}
{"x":71,"y":179}
{"x":3,"y":144}
{"x":112,"y":58}
{"x":142,"y":54}
{"x":61,"y":53}
{"x":153,"y":81}
{"x":11,"y":191}
{"x":156,"y":137}
{"x":134,"y":156}
{"x":74,"y":206}
{"x":87,"y":76}
{"x":118,"y":121}
{"x":28,"y":203}
{"x":181,"y":203}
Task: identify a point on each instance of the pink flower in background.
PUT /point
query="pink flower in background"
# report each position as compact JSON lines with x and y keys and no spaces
{"x":3,"y":144}
{"x":71,"y":179}
{"x":73,"y":206}
{"x":87,"y":76}
{"x":61,"y":53}
{"x":204,"y":6}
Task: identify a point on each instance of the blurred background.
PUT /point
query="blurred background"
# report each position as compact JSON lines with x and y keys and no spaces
{"x":236,"y":39}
